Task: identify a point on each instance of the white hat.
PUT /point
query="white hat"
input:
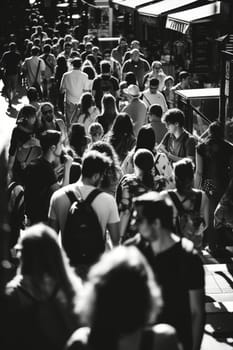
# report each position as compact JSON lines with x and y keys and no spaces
{"x":132,"y":90}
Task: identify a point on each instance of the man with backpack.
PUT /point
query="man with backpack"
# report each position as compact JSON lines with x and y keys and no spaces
{"x":83,"y":213}
{"x":177,"y":268}
{"x":104,"y":83}
{"x":178,"y":142}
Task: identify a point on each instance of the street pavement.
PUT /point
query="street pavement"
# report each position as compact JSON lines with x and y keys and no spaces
{"x":218,"y":271}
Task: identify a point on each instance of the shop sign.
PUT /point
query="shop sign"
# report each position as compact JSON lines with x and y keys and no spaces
{"x":177,"y":26}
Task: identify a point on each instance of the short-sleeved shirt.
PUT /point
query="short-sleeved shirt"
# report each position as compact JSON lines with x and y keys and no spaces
{"x":39,"y":177}
{"x":104,"y":205}
{"x":74,"y":83}
{"x":156,"y":98}
{"x":137,"y":111}
{"x":104,"y":84}
{"x":183,"y":146}
{"x":177,"y":271}
{"x":31,"y":65}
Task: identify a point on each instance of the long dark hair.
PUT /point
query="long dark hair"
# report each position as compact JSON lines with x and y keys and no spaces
{"x":86,"y":102}
{"x":144,"y":160}
{"x":146,"y":138}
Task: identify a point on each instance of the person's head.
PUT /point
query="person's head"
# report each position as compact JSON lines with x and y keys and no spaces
{"x":47,"y":49}
{"x":77,"y":63}
{"x":32,"y":94}
{"x":75,"y":44}
{"x":90,"y":71}
{"x":67,"y":47}
{"x":155,"y":112}
{"x":122,"y":125}
{"x":47,"y":112}
{"x":74,"y":54}
{"x":39,"y":29}
{"x":153,"y":85}
{"x":61,"y":62}
{"x":111,"y":174}
{"x":135,"y":55}
{"x":123,"y":42}
{"x":68,"y":38}
{"x":27,"y":116}
{"x":216,"y":130}
{"x":107,"y":55}
{"x":12,"y":46}
{"x":51,"y":143}
{"x":135,"y":44}
{"x":143,"y":160}
{"x":42,"y":259}
{"x":95,"y":131}
{"x":108,"y":104}
{"x":35,"y":51}
{"x":154,"y":215}
{"x":78,"y":138}
{"x":94,"y":166}
{"x":91,"y":59}
{"x":87,"y":103}
{"x":132,"y":92}
{"x":173,"y":119}
{"x":37,"y":42}
{"x":184,"y":78}
{"x":146,"y":138}
{"x":130,"y":78}
{"x":88,"y":46}
{"x":123,"y":276}
{"x":168,"y":82}
{"x":156,"y":67}
{"x":95,"y":50}
{"x":184,"y":174}
{"x":105,"y":67}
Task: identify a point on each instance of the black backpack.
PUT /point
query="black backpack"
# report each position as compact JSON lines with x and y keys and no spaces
{"x":83,"y":238}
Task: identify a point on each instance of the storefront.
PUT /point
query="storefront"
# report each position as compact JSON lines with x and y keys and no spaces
{"x":199,"y":27}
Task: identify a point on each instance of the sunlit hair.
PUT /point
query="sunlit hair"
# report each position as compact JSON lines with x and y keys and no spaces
{"x":25,"y":113}
{"x":41,"y":256}
{"x":108,"y":104}
{"x":113,"y":171}
{"x":120,"y":296}
{"x":86,"y":102}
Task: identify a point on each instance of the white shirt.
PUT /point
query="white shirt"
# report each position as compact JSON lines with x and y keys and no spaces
{"x":104,"y":205}
{"x":30,"y":65}
{"x":74,"y":83}
{"x":157,"y":98}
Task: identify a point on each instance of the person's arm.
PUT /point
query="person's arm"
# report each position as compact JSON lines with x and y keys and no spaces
{"x":161,"y":147}
{"x":67,"y":166}
{"x":205,"y":209}
{"x":11,"y":161}
{"x":199,"y":170}
{"x":114,"y":232}
{"x":197,"y":307}
{"x":62,"y":85}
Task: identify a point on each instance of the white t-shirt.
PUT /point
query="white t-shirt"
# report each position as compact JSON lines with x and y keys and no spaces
{"x":30,"y":65}
{"x":104,"y":205}
{"x":74,"y":83}
{"x":156,"y":98}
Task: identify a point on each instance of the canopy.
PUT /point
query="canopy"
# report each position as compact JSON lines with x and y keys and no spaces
{"x":180,"y":21}
{"x":161,"y":7}
{"x":133,"y":4}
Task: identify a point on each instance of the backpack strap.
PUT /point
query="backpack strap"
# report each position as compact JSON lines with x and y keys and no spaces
{"x":11,"y":188}
{"x":176,"y":201}
{"x":70,"y":194}
{"x":92,"y":195}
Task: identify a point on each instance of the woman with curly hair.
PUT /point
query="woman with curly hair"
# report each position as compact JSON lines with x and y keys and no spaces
{"x":122,"y":136}
{"x":113,"y":175}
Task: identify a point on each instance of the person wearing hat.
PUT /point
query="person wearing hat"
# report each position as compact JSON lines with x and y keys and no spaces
{"x":177,"y":267}
{"x":137,"y":65}
{"x":73,"y":84}
{"x":136,"y":108}
{"x":152,"y":96}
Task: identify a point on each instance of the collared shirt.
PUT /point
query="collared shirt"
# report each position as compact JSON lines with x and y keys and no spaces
{"x":182,"y":146}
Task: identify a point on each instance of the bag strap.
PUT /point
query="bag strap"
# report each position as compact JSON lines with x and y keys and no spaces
{"x":18,"y":200}
{"x":92,"y":195}
{"x":11,"y":188}
{"x":176,"y":201}
{"x":70,"y":194}
{"x":146,"y":98}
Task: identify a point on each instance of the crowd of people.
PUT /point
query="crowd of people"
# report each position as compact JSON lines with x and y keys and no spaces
{"x":111,"y":200}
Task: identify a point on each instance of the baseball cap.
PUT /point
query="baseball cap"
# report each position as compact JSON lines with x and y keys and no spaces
{"x":132,"y":90}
